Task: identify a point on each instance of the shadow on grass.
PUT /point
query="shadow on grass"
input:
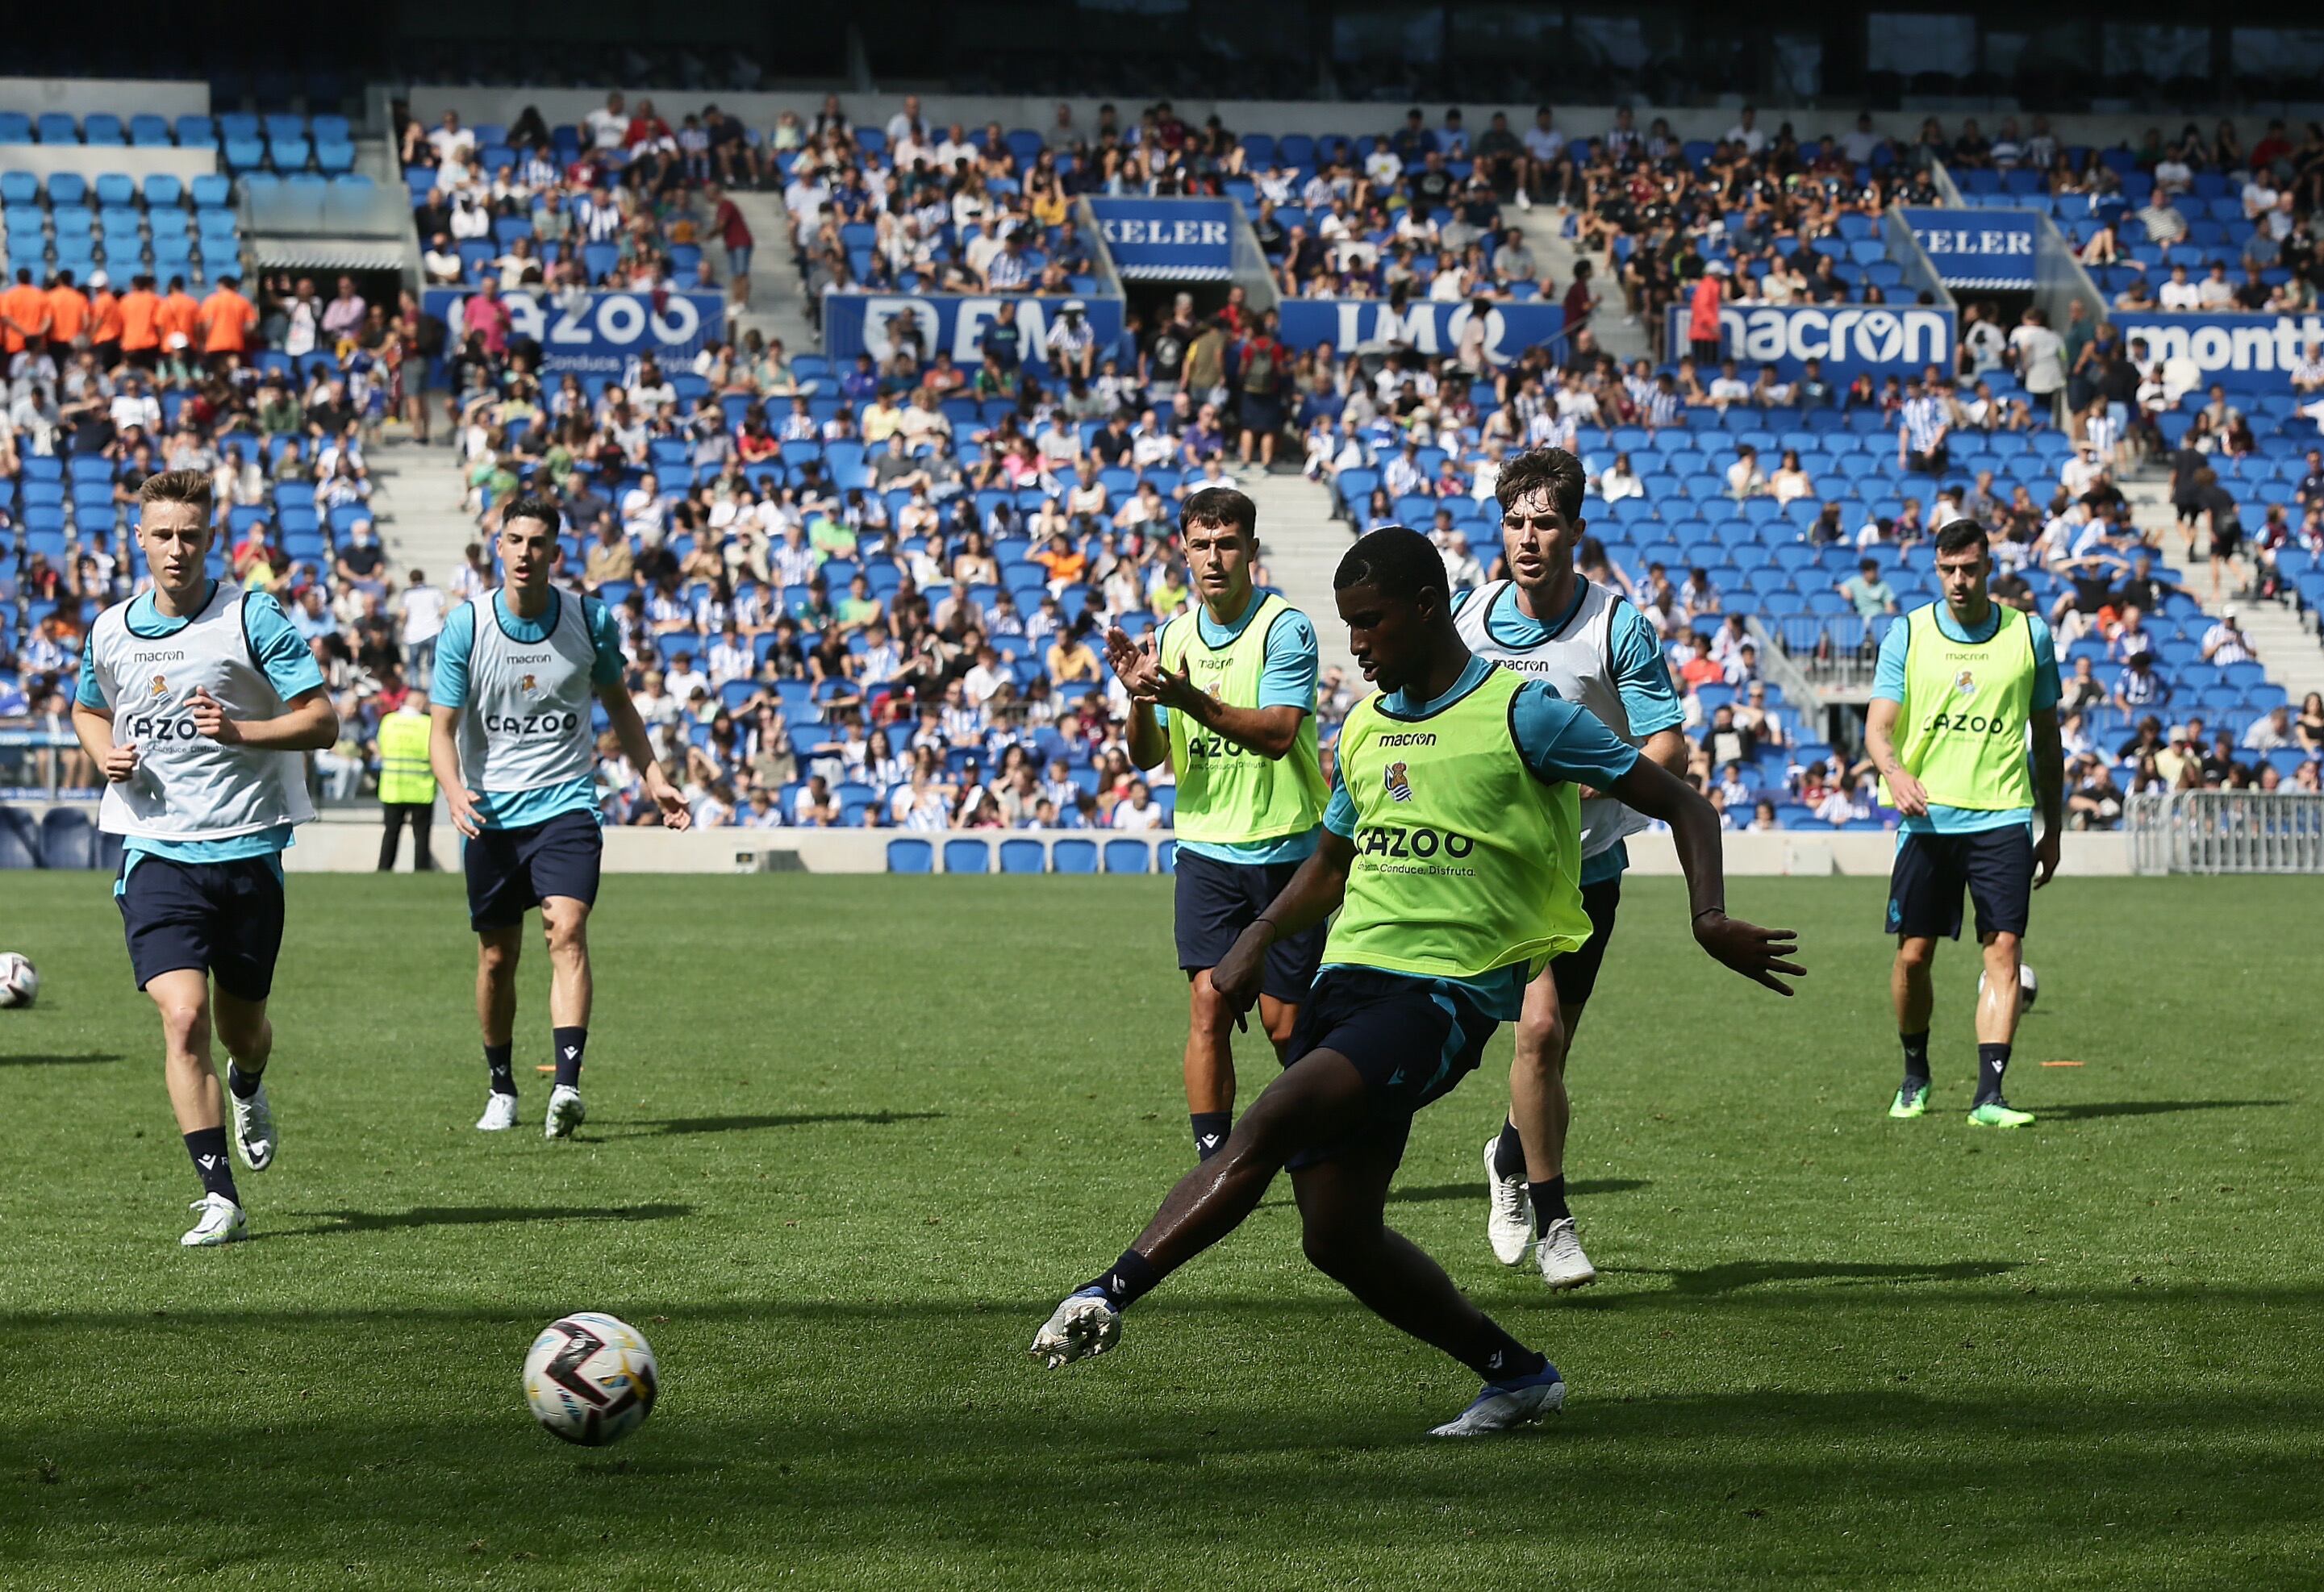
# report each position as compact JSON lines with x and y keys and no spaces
{"x":2092,"y":1113}
{"x":90,"y":1058}
{"x":1586,"y":1188}
{"x":437,"y":1216}
{"x":666,"y":1126}
{"x":1736,"y":1275}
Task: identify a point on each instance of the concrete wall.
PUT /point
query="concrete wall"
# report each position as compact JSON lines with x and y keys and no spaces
{"x":353,"y":848}
{"x":46,"y":160}
{"x":123,"y":97}
{"x":759,"y":110}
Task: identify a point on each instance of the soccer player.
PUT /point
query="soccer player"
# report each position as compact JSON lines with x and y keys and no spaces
{"x":196,"y":700}
{"x":1548,"y":622}
{"x":1227,"y":694}
{"x":517,"y":672}
{"x":1959,"y":685}
{"x":1451,"y":852}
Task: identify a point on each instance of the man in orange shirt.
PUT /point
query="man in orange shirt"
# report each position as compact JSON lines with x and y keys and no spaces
{"x":67,"y":311}
{"x":227,"y":319}
{"x":141,"y":323}
{"x":178,"y":314}
{"x":24,"y":314}
{"x":103,"y":320}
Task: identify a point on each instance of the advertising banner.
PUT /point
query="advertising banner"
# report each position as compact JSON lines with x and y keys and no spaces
{"x":598,"y":334}
{"x":869,"y":323}
{"x":1976,"y":248}
{"x":2239,"y":351}
{"x":1168,"y":240}
{"x":1426,"y":327}
{"x":1878,"y":339}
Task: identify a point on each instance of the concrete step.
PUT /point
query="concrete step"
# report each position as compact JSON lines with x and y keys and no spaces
{"x":1302,"y":546}
{"x":777,"y":309}
{"x":418,"y":491}
{"x":1544,"y":226}
{"x":2284,"y":641}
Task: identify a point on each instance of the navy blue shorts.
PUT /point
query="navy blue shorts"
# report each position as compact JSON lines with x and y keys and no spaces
{"x":1412,"y":1039}
{"x":1995,"y":866}
{"x":510,"y":872}
{"x":222,"y":918}
{"x":1216,"y":901}
{"x":1575,"y":973}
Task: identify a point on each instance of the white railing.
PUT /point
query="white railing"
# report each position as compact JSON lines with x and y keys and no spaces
{"x":2227,"y":832}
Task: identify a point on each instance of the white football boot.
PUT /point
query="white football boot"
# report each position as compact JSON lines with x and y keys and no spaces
{"x":1503,"y":1406}
{"x":500,"y":1113}
{"x":1083,"y":1326}
{"x":566,"y":1111}
{"x":221,"y":1222}
{"x":1562,"y":1264}
{"x":1509,"y":1226}
{"x":253,"y":1127}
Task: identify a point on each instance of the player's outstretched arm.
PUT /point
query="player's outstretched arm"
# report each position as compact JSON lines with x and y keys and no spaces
{"x":1757,"y":954}
{"x":631,"y":731}
{"x":1312,"y":895}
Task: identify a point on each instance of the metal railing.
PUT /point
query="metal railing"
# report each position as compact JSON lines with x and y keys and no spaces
{"x":2226,"y":832}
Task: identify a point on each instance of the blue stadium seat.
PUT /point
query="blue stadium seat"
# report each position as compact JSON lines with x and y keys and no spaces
{"x":16,"y":127}
{"x":912,"y":856}
{"x":17,"y":838}
{"x":1024,"y":856}
{"x":1166,"y":857}
{"x":1128,"y":856}
{"x":148,"y":131}
{"x":1073,"y":856}
{"x":967,"y":856}
{"x":57,"y":127}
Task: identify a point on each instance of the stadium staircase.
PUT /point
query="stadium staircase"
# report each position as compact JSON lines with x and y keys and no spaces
{"x":779,"y":294}
{"x":418,"y":505}
{"x":2280,"y":639}
{"x":1543,"y":227}
{"x":1302,"y":546}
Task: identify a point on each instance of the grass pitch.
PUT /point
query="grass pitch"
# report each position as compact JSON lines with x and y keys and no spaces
{"x":851,"y":1138}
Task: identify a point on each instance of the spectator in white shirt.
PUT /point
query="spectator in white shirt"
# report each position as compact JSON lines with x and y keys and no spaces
{"x":2179,"y":293}
{"x":2225,"y":642}
{"x":1745,"y":132}
{"x":2215,"y":292}
{"x":1138,"y":811}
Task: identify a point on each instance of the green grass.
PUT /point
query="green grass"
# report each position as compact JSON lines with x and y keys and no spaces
{"x":851,"y":1138}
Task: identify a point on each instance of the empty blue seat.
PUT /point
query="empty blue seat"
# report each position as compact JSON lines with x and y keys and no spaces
{"x":1128,"y":856}
{"x":56,"y":127}
{"x":1073,"y":856}
{"x":912,"y":856}
{"x":967,"y":856}
{"x":1023,"y":856}
{"x":68,"y":839}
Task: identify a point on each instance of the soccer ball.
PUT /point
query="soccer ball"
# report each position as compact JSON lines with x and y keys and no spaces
{"x":20,"y":980}
{"x":2028,"y":986}
{"x":590,"y":1378}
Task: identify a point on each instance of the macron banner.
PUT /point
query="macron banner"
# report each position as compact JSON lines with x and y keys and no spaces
{"x":1424,"y":325}
{"x":869,"y":323}
{"x":1976,"y":248}
{"x":1847,"y":339}
{"x":1168,"y":240}
{"x":2239,"y":351}
{"x":598,"y":334}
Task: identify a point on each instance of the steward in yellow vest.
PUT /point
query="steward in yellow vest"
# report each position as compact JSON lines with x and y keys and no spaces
{"x":1450,"y":851}
{"x":407,"y":789}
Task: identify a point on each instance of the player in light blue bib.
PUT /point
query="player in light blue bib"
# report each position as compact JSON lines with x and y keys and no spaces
{"x":518,"y":672}
{"x":196,"y":699}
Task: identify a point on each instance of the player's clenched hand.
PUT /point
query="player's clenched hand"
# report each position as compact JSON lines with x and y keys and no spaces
{"x":1912,"y":800}
{"x":1757,"y":954}
{"x":1236,"y":976}
{"x":121,"y":764}
{"x":462,"y":805}
{"x":209,"y":718}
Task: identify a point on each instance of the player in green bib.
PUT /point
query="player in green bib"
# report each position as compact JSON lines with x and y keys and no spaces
{"x":1962,"y":686}
{"x":1227,"y":695}
{"x":1451,"y":852}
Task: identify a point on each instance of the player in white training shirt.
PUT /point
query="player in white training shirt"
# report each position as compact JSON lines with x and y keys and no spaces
{"x":1598,"y":652}
{"x":196,"y":699}
{"x":518,"y":673}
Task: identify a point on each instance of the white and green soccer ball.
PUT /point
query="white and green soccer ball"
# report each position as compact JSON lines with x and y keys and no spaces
{"x":590,"y":1378}
{"x":20,"y":980}
{"x":2028,"y":986}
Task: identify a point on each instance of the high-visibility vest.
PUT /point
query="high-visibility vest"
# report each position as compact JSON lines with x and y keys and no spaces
{"x":403,"y":773}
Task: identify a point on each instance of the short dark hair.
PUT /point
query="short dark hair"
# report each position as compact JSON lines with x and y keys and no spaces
{"x":1397,"y":560}
{"x":1959,"y":534}
{"x":535,"y":506}
{"x":1543,"y":469}
{"x":1221,"y":505}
